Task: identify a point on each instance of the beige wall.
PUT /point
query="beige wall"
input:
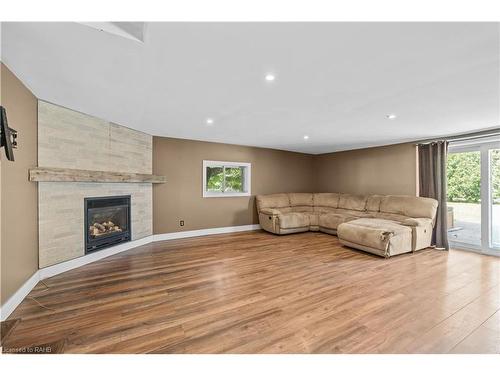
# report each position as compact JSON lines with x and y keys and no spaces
{"x":19,"y":228}
{"x":378,"y":170}
{"x":181,"y":198}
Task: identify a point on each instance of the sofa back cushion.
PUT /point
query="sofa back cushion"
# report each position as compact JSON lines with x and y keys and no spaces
{"x":409,"y":206}
{"x":352,"y":202}
{"x":373,"y":203}
{"x":329,"y":200}
{"x":272,"y":201}
{"x":300,"y":199}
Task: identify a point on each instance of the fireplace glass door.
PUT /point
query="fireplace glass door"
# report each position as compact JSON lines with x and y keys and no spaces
{"x":107,"y":221}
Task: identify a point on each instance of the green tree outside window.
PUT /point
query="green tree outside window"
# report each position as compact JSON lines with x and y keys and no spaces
{"x":464,"y":176}
{"x":225,"y":179}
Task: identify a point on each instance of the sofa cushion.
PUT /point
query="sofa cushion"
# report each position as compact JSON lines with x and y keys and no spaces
{"x":330,"y":200}
{"x":374,"y":233}
{"x":359,"y":214}
{"x":324,"y":210}
{"x":332,"y":220}
{"x":389,"y":216}
{"x":272,"y":201}
{"x":300,"y":199}
{"x":409,"y":206}
{"x":352,"y":202}
{"x":301,"y":209}
{"x":313,"y":219}
{"x":373,"y":203}
{"x":293,"y":220}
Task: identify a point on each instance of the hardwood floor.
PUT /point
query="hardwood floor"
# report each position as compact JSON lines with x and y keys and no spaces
{"x":254,"y":292}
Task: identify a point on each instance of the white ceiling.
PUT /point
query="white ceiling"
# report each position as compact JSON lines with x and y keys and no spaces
{"x":335,"y":82}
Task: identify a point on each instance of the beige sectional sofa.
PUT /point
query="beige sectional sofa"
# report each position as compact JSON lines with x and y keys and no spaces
{"x":384,"y":225}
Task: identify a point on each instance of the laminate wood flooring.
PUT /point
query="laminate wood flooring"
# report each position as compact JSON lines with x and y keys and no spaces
{"x":254,"y":292}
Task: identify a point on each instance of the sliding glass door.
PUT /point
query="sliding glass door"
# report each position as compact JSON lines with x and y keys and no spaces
{"x":473,"y":173}
{"x":494,"y":159}
{"x":464,"y":197}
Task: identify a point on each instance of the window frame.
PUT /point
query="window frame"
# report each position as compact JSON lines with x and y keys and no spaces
{"x":247,"y":179}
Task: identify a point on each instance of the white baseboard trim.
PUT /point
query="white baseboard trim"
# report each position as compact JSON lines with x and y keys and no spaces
{"x":8,"y":307}
{"x":58,"y":268}
{"x":204,"y":232}
{"x":18,"y":297}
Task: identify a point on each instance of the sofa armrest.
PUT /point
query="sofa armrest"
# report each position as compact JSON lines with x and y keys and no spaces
{"x":421,"y":229}
{"x":270,"y":211}
{"x":417,"y":222}
{"x":269,"y":221}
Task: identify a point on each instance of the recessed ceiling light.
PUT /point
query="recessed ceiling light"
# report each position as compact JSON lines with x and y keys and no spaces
{"x":270,"y":77}
{"x":210,"y":121}
{"x":391,"y":116}
{"x":306,"y":137}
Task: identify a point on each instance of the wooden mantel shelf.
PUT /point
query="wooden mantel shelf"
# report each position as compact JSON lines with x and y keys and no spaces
{"x":81,"y":175}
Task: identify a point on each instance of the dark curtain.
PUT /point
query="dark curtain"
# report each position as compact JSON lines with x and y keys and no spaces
{"x":432,"y":184}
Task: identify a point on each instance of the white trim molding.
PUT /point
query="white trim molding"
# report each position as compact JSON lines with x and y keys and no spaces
{"x":10,"y":305}
{"x":204,"y":232}
{"x":58,"y":268}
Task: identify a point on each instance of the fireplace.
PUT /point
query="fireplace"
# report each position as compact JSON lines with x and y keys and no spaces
{"x":107,"y":222}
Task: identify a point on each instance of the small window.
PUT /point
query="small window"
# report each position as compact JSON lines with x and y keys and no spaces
{"x":226,"y":179}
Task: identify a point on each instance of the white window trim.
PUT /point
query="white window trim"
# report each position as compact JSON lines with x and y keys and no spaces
{"x":247,"y":179}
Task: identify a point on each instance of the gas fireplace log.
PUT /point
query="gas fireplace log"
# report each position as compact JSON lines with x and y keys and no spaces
{"x":101,"y":227}
{"x":108,"y":224}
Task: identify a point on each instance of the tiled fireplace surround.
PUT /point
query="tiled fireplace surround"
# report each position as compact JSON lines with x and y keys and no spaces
{"x":69,"y":139}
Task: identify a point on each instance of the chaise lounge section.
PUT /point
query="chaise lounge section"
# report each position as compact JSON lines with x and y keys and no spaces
{"x":384,"y":225}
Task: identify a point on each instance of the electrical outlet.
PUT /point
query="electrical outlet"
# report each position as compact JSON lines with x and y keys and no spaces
{"x":181,"y":223}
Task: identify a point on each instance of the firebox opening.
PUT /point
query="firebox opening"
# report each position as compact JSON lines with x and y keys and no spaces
{"x":107,"y":222}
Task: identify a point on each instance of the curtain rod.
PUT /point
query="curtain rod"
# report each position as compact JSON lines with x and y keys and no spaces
{"x":462,"y":137}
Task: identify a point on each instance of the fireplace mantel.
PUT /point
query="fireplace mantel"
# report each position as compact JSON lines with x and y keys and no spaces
{"x":81,"y":175}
